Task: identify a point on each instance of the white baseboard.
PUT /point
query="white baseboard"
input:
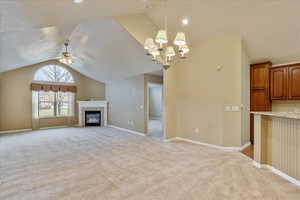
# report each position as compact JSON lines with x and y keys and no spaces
{"x":209,"y":145}
{"x":127,"y":130}
{"x":278,"y":172}
{"x":256,"y":164}
{"x":171,"y":139}
{"x":245,"y":146}
{"x":15,"y":131}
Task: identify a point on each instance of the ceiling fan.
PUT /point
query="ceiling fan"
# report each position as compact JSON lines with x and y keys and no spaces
{"x":66,"y":57}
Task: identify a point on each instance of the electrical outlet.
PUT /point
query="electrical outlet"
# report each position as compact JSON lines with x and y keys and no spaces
{"x":196,"y":130}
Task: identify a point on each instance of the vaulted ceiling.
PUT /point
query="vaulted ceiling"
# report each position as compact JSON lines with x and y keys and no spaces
{"x":33,"y":31}
{"x":269,"y":28}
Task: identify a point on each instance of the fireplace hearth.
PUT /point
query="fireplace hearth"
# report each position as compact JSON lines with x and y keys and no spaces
{"x":92,"y":118}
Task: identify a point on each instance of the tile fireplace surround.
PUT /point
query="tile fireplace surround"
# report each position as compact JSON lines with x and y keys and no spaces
{"x":92,"y":106}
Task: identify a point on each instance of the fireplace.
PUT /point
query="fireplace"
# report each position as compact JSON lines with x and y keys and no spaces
{"x":93,"y":118}
{"x":95,"y":106}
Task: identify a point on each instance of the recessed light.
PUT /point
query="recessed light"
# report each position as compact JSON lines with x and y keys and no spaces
{"x":77,"y":1}
{"x":185,"y":21}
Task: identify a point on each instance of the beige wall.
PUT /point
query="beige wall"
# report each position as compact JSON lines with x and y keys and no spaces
{"x":286,"y":106}
{"x":198,"y":93}
{"x":139,"y":26}
{"x":126,"y":103}
{"x":170,"y":103}
{"x":15,"y":97}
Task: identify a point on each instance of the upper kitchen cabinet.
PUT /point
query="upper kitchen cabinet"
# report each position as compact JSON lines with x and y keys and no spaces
{"x":260,"y":91}
{"x":294,"y":82}
{"x":285,"y":82}
{"x":278,"y":83}
{"x":260,"y":75}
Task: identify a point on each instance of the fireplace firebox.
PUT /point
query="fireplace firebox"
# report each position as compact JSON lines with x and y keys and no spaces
{"x":92,"y":118}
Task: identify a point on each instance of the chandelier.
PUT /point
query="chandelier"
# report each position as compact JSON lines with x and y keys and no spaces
{"x":66,"y":57}
{"x":162,"y":52}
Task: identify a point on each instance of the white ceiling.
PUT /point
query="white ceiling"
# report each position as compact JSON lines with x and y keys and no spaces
{"x":269,"y":28}
{"x":32,"y":31}
{"x":27,"y":14}
{"x":108,"y":51}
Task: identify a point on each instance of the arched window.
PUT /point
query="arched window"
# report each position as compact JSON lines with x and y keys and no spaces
{"x":51,"y":100}
{"x":54,"y":73}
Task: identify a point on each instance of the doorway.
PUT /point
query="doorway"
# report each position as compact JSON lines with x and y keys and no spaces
{"x":155,"y":110}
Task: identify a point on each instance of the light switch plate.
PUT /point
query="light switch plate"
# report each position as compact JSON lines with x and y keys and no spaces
{"x":227,"y":108}
{"x":235,"y":108}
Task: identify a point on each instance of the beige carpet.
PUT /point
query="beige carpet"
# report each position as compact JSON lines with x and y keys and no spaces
{"x":104,"y":163}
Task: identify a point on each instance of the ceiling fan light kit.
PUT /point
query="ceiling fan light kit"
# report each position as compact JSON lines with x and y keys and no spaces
{"x":66,"y":55}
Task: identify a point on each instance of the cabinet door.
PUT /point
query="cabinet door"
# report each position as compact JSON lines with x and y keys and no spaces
{"x":294,"y":82}
{"x":260,"y":100}
{"x":259,"y":76}
{"x":279,"y":78}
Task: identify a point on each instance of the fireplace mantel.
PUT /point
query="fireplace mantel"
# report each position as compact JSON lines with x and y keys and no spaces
{"x":91,"y":105}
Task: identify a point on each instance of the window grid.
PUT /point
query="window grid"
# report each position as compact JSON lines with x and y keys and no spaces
{"x":61,"y":108}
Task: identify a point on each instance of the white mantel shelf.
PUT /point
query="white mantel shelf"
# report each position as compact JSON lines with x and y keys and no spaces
{"x":92,"y":105}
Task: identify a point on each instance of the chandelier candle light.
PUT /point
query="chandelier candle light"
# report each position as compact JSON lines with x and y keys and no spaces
{"x":162,"y":52}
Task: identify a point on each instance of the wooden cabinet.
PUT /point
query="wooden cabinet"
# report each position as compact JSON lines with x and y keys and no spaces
{"x":285,"y":82}
{"x":259,"y":91}
{"x":260,"y":87}
{"x":278,"y":83}
{"x":259,"y":76}
{"x":294,"y":82}
{"x":260,"y":100}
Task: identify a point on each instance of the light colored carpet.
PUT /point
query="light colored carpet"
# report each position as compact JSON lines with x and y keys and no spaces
{"x":109,"y":164}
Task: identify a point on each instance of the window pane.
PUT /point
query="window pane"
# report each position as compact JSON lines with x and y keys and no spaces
{"x":53,"y":73}
{"x":62,"y":96}
{"x":63,"y":109}
{"x":46,"y":104}
{"x":57,"y":104}
{"x":64,"y":106}
{"x":46,"y":96}
{"x":46,"y":109}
